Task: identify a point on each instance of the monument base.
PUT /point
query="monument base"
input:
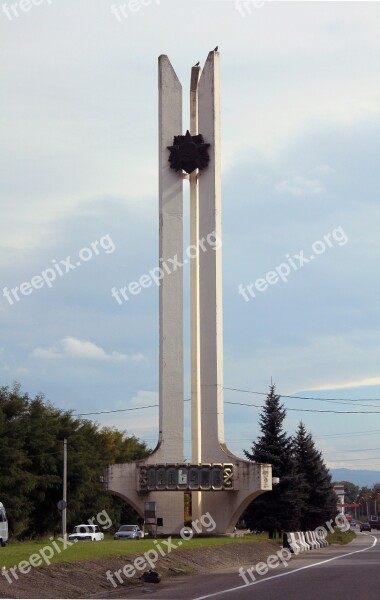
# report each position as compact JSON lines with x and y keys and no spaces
{"x":224,"y":507}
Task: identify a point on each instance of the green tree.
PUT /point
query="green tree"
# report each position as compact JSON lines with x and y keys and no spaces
{"x":40,"y":425}
{"x":376,"y":498}
{"x":118,"y":447}
{"x":281,"y":508}
{"x":31,"y":467}
{"x":351,"y":490}
{"x":16,"y":480}
{"x":319,"y":497}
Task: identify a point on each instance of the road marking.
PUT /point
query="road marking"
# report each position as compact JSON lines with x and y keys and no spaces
{"x":245,"y":586}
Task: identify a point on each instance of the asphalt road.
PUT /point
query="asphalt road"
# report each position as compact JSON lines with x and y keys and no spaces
{"x":342,"y":573}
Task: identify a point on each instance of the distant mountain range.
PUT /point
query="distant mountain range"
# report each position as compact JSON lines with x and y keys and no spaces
{"x":358,"y":477}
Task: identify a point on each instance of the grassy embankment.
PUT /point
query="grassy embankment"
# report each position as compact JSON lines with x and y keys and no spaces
{"x":341,"y":537}
{"x":15,"y":552}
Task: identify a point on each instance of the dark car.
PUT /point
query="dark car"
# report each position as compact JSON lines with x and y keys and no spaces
{"x":365,"y":527}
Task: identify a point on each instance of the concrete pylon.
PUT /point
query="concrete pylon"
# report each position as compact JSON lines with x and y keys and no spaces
{"x":221,"y":483}
{"x":123,"y":479}
{"x":251,"y":479}
{"x":210,"y":267}
{"x":171,"y":287}
{"x":196,"y":433}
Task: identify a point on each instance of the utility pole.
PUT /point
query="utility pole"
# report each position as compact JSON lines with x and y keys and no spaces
{"x":64,"y":495}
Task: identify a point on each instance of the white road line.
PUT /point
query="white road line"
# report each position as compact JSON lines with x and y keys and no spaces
{"x":246,"y":585}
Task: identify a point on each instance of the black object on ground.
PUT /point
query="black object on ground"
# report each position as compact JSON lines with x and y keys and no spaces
{"x":151,"y":577}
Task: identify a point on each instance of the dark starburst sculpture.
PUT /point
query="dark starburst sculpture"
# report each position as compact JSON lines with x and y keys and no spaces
{"x":189,"y":152}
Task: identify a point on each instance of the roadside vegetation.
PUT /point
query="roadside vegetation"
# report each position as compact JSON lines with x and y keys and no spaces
{"x":32,"y":431}
{"x":341,"y":537}
{"x":16,"y":552}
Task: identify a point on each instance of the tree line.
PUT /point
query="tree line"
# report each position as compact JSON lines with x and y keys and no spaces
{"x":304,"y":498}
{"x":367,"y":497}
{"x":32,"y":431}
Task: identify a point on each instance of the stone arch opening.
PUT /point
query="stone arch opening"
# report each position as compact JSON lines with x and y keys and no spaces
{"x":240,"y":508}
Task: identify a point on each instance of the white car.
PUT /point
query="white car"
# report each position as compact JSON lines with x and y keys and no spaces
{"x":3,"y":526}
{"x":129,"y":532}
{"x":86,"y":532}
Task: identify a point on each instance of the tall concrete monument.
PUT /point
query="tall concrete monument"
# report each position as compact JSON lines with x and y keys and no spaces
{"x":219,"y":482}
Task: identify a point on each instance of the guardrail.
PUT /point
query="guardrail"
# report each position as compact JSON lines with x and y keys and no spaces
{"x":302,"y":541}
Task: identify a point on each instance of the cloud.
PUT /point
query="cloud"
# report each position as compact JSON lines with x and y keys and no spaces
{"x":73,"y":348}
{"x":369,"y":381}
{"x":318,"y":362}
{"x":15,"y":371}
{"x":145,"y":397}
{"x":144,"y":425}
{"x":300,"y":186}
{"x":324,"y":169}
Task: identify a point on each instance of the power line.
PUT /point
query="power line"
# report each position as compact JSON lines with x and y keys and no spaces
{"x":355,"y":459}
{"x":313,"y":410}
{"x":339,"y":400}
{"x":349,"y":433}
{"x":351,"y":450}
{"x":373,"y":464}
{"x":320,"y":437}
{"x":107,"y":412}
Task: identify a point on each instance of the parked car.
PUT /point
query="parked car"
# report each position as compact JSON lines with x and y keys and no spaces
{"x":353,"y":523}
{"x":365,"y":527}
{"x":374,"y":521}
{"x":129,"y":532}
{"x":3,"y":525}
{"x":86,"y":532}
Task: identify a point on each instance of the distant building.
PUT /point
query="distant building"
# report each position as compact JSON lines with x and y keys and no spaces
{"x":340,"y":491}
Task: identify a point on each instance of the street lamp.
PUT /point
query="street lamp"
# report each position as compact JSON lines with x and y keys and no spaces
{"x":62,"y":504}
{"x":375,"y":501}
{"x":366,"y":504}
{"x":64,"y":496}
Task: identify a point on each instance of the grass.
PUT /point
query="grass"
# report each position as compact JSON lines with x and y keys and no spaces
{"x":15,"y":552}
{"x":341,"y":537}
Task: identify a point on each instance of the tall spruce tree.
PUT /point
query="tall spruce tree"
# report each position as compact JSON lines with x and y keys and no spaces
{"x":319,"y":497}
{"x":279,"y":509}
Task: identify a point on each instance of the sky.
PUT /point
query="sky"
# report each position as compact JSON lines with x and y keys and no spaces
{"x":300,"y":102}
